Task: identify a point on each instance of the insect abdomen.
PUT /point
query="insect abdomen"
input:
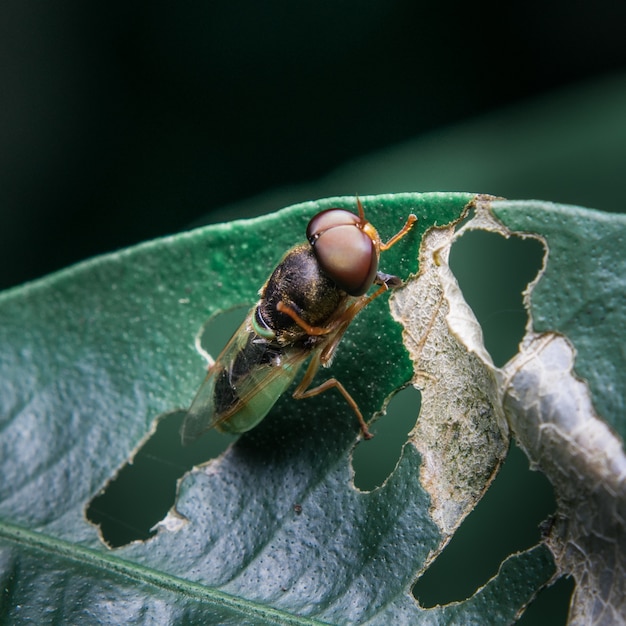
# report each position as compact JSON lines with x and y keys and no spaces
{"x":255,"y":352}
{"x":250,"y":386}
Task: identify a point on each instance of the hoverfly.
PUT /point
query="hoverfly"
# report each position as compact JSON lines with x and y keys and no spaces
{"x":306,"y":306}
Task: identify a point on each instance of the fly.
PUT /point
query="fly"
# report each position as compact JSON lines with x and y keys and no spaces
{"x":306,"y":306}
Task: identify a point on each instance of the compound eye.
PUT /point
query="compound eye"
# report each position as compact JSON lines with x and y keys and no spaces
{"x":329,"y":219}
{"x":344,"y":252}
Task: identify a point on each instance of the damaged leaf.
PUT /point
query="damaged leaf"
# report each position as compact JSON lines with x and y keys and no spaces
{"x":565,"y":396}
{"x":461,"y":433}
{"x":571,"y":427}
{"x":273,"y":530}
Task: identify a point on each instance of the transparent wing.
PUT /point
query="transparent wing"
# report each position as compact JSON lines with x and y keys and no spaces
{"x":243,"y":384}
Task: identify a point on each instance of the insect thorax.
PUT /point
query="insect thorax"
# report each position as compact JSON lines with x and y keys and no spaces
{"x":299,"y":282}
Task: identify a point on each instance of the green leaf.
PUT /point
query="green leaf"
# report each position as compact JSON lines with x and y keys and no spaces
{"x":271,"y":531}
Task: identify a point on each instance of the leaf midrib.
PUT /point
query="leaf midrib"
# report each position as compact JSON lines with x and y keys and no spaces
{"x":145,"y":575}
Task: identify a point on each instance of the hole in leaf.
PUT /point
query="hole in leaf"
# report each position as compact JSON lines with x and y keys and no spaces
{"x":551,"y":606}
{"x":220,"y":328}
{"x":391,"y":432}
{"x":505,"y":521}
{"x":144,"y":490}
{"x":493,"y":272}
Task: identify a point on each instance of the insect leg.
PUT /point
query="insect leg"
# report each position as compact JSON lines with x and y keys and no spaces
{"x":351,"y":312}
{"x":403,"y":231}
{"x":302,"y":392}
{"x":343,"y":321}
{"x":307,"y":328}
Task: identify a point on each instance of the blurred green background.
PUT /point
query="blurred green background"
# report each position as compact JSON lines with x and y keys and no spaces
{"x":120,"y":122}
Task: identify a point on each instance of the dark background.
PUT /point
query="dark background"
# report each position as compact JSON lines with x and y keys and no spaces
{"x":123,"y":121}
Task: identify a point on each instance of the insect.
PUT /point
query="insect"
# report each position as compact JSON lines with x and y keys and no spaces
{"x":305,"y":307}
